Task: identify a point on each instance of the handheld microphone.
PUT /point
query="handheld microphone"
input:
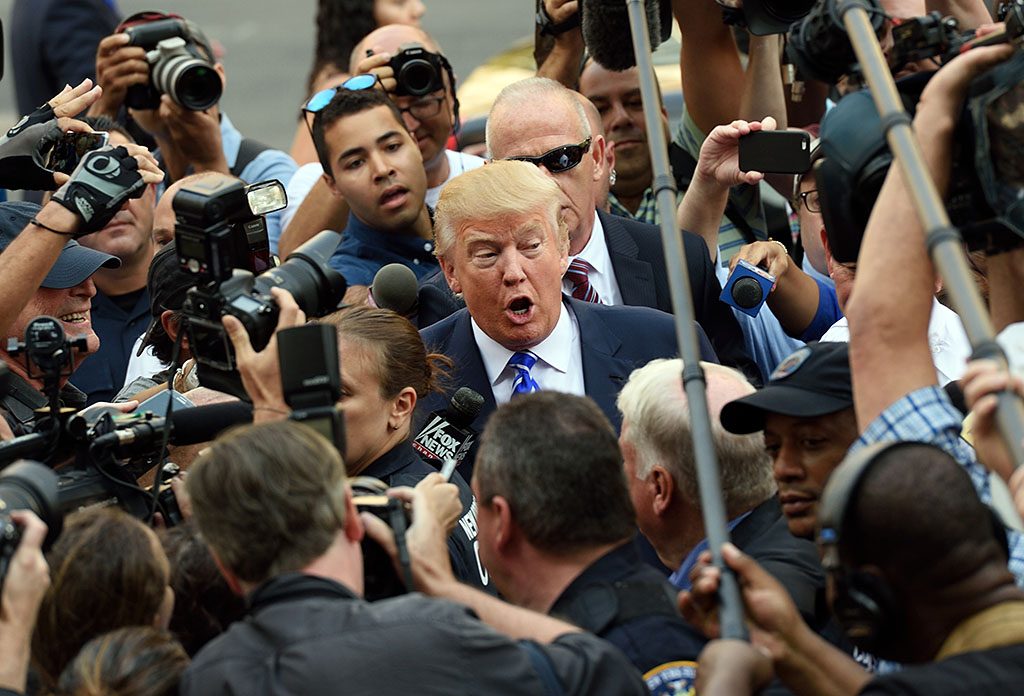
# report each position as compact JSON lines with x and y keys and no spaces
{"x":819,"y":46}
{"x":448,"y":435}
{"x":605,"y":26}
{"x":395,"y":287}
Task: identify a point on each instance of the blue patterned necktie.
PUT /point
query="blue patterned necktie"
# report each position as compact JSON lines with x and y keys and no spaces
{"x":524,"y":383}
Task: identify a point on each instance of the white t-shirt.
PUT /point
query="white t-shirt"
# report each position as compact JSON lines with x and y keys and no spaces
{"x":946,"y":336}
{"x":458,"y":162}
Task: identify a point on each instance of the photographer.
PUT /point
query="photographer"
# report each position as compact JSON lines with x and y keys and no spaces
{"x":385,"y":371}
{"x":32,"y":238}
{"x":188,"y":141}
{"x":24,"y":586}
{"x":430,"y":117}
{"x":291,"y":544}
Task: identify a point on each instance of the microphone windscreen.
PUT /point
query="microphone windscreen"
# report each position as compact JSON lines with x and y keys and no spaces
{"x":204,"y":423}
{"x":395,"y":287}
{"x":467,"y":404}
{"x":605,"y":26}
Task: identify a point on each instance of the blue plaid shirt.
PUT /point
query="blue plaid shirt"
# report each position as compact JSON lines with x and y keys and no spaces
{"x":926,"y":415}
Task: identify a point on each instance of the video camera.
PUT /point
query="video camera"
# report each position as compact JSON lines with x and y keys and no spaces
{"x":984,"y":198}
{"x":177,"y":67}
{"x":220,"y":237}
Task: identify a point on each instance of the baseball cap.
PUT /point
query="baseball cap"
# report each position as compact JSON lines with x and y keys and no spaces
{"x":813,"y":381}
{"x":167,"y":284}
{"x":75,"y":263}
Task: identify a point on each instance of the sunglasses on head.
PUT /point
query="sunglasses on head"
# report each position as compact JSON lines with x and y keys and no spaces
{"x":559,"y":159}
{"x":354,"y":84}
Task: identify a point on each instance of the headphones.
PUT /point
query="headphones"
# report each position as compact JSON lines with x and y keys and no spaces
{"x":864,"y":604}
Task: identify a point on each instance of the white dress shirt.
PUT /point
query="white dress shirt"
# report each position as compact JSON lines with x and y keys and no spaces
{"x":602,"y":278}
{"x":946,"y":336}
{"x":559,"y":364}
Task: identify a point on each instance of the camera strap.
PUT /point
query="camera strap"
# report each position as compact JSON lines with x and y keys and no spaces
{"x":248,"y":150}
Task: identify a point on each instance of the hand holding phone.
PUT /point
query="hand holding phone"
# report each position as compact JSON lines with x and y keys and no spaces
{"x":776,"y":152}
{"x":68,"y":151}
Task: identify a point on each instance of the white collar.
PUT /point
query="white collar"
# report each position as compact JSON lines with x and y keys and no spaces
{"x":596,"y":250}
{"x":553,"y":350}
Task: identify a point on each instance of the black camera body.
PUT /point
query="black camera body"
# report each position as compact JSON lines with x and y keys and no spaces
{"x":221,"y":239}
{"x":27,"y":486}
{"x":381,"y":580}
{"x":418,"y":72}
{"x":764,"y":17}
{"x":177,"y":67}
{"x":930,"y":36}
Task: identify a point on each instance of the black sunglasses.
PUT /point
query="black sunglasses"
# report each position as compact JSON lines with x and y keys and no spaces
{"x":560,"y":159}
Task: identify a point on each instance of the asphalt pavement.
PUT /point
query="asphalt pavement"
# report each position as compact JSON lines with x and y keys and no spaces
{"x":269,"y":48}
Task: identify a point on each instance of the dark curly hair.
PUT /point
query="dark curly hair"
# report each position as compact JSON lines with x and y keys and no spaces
{"x":340,"y":25}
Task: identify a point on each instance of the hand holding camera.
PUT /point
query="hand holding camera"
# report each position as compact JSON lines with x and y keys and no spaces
{"x":412,"y":72}
{"x":27,"y":149}
{"x":435,"y":510}
{"x":25,"y":584}
{"x":103,"y":181}
{"x":260,"y":371}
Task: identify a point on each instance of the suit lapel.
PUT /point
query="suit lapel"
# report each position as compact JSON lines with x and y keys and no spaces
{"x":469,"y":367}
{"x":635,"y":277}
{"x":603,"y":372}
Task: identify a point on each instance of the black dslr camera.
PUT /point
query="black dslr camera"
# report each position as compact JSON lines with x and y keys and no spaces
{"x":417,"y":70}
{"x":26,"y":486}
{"x":177,"y":67}
{"x":380,"y":577}
{"x":220,"y":238}
{"x":763,"y":17}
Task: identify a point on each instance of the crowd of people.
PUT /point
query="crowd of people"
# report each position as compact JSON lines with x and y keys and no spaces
{"x":506,"y":497}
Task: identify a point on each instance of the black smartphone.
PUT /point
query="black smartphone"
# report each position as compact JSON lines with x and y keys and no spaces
{"x":776,"y":152}
{"x":68,"y":151}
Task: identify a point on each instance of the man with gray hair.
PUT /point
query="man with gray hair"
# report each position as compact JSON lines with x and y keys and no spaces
{"x":657,"y":449}
{"x":612,"y":260}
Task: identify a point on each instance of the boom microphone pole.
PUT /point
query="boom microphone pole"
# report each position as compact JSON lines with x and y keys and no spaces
{"x":945,"y":245}
{"x":694,"y":384}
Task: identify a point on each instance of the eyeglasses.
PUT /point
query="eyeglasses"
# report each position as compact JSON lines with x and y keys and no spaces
{"x":424,"y":108}
{"x":322,"y":98}
{"x":811,"y":201}
{"x":561,"y":159}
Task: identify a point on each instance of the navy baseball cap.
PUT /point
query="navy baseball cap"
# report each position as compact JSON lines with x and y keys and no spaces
{"x":75,"y":263}
{"x":813,"y":381}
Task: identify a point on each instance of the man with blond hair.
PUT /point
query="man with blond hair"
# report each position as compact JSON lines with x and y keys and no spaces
{"x":502,"y":244}
{"x":657,"y":451}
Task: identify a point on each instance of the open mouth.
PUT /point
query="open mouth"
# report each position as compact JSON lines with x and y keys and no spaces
{"x":75,"y":318}
{"x":394,"y":197}
{"x":520,"y":306}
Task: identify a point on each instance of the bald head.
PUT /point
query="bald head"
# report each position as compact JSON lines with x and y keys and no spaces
{"x":388,"y":39}
{"x":163,"y":217}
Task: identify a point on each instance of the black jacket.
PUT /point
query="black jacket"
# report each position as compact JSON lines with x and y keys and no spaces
{"x":310,"y":635}
{"x":639,"y":262}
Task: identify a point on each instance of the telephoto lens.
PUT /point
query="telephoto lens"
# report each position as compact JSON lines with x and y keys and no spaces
{"x":190,"y":81}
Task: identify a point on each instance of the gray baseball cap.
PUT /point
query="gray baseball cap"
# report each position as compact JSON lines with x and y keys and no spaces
{"x":75,"y":263}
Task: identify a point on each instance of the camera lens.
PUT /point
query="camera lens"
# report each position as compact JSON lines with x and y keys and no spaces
{"x":31,"y":486}
{"x":747,"y":293}
{"x":189,"y":81}
{"x":788,"y":11}
{"x":418,"y":77}
{"x":308,"y":276}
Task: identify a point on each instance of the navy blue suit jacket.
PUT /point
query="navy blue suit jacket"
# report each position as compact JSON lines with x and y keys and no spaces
{"x":636,"y":253}
{"x":54,"y":42}
{"x":614,"y":342}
